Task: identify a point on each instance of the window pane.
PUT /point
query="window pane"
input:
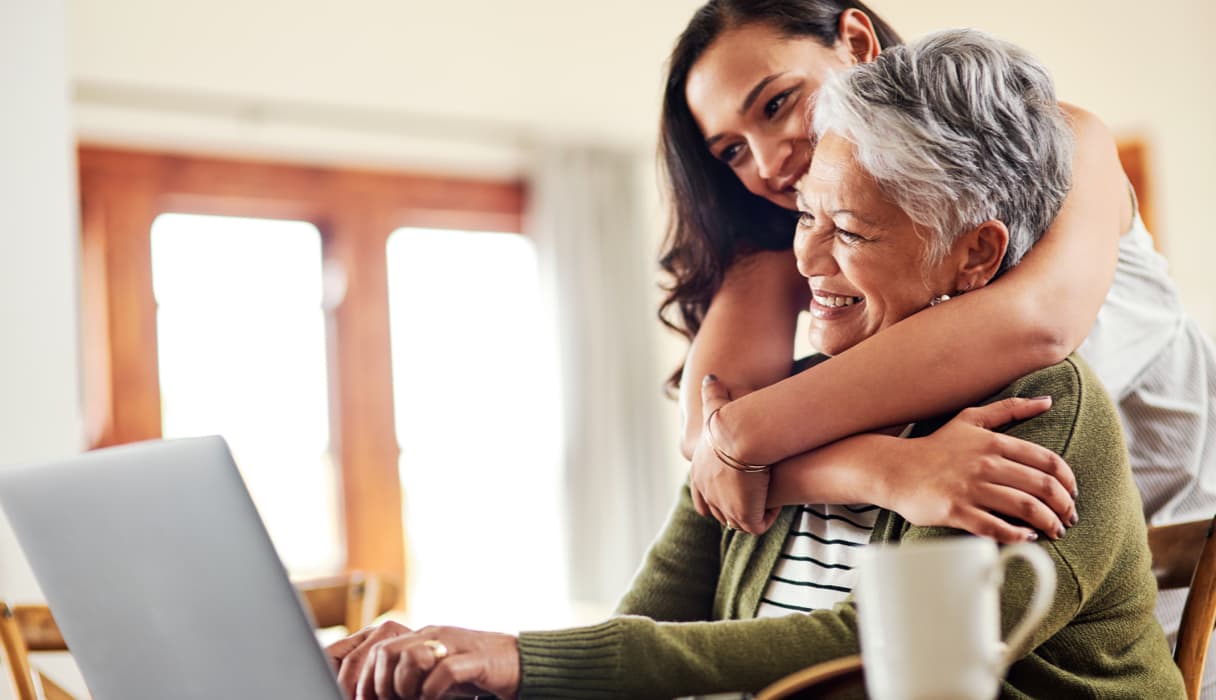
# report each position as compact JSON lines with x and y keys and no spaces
{"x":241,"y":342}
{"x":476,"y":400}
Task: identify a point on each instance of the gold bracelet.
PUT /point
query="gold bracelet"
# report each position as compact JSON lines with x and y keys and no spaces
{"x":721,"y":454}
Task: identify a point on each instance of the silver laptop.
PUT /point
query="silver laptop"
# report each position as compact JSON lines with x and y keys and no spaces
{"x":162,"y":577}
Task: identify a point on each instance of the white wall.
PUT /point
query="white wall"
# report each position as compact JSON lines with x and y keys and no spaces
{"x":579,"y":68}
{"x":457,"y":86}
{"x":39,"y":356}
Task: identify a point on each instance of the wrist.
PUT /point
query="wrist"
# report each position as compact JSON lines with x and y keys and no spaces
{"x":882,"y":464}
{"x":730,"y":434}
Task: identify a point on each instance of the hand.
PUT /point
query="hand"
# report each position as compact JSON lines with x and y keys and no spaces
{"x":965,"y":476}
{"x":398,"y":664}
{"x":733,"y":498}
{"x":349,"y":655}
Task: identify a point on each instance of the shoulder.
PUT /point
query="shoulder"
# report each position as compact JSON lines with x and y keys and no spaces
{"x":764,"y":268}
{"x":1081,"y":410}
{"x":1086,"y":125}
{"x":765,"y":285}
{"x":1066,"y":378}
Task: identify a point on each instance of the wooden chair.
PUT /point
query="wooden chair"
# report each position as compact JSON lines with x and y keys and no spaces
{"x":826,"y":680}
{"x":352,"y":601}
{"x":1184,"y":555}
{"x":26,"y":629}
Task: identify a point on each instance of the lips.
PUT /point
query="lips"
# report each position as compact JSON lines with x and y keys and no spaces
{"x":829,"y":305}
{"x":834,"y":300}
{"x":801,"y":163}
{"x":786,"y":184}
{"x":789,"y":182}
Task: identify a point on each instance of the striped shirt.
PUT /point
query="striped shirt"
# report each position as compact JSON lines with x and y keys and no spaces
{"x":816,"y":566}
{"x":816,"y":569}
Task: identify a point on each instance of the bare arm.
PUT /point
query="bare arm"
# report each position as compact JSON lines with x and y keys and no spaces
{"x":747,"y":338}
{"x":962,"y":476}
{"x":956,"y":353}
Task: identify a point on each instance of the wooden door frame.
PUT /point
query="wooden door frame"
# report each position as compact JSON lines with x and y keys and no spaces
{"x":123,"y":191}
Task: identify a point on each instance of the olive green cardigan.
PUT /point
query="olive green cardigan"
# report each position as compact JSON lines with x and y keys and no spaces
{"x":687,"y":626}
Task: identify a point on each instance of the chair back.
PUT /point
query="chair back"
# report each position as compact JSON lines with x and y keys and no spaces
{"x":16,"y":654}
{"x":352,"y":601}
{"x":825,"y":680}
{"x":1184,"y":556}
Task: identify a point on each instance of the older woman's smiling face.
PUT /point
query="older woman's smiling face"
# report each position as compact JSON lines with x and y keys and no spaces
{"x":860,"y":253}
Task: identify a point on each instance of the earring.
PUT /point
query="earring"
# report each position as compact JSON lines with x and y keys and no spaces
{"x":939,"y":299}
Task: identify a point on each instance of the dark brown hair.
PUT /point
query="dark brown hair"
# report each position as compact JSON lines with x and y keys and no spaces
{"x":714,"y":219}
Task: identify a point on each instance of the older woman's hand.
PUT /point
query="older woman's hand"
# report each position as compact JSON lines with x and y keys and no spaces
{"x":734,"y":498}
{"x":966,"y":476}
{"x":392,"y":662}
{"x":348,"y":656}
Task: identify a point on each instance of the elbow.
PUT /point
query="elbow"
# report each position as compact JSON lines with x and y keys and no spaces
{"x":1044,"y":340}
{"x":1051,"y":348}
{"x":688,"y":443}
{"x":690,"y":436}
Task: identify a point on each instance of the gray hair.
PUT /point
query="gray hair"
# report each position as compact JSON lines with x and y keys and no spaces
{"x":957,"y":129}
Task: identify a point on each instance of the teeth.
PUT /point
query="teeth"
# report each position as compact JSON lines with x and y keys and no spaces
{"x":834,"y":301}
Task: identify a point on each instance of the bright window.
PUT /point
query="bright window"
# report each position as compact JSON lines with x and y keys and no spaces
{"x":241,"y":338}
{"x":476,"y":400}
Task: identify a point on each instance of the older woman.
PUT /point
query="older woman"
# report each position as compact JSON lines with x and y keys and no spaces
{"x":938,"y":166}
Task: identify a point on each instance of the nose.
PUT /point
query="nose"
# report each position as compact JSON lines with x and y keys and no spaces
{"x":771,"y":155}
{"x":813,"y":253}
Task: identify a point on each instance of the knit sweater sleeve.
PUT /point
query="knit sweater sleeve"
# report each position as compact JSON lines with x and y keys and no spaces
{"x":660,"y":645}
{"x":679,"y":575}
{"x":636,"y":657}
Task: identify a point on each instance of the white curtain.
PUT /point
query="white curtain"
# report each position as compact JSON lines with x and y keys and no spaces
{"x":598,"y":269}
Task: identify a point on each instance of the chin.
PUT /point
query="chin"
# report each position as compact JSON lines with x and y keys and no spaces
{"x":831,"y":346}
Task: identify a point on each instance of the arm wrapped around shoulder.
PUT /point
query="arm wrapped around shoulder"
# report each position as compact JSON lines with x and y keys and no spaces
{"x":1100,"y":638}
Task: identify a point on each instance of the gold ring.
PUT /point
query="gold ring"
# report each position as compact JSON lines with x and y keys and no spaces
{"x":438,"y":648}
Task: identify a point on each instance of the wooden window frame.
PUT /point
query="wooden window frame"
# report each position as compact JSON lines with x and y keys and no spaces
{"x":1134,"y":157}
{"x":122,"y":193}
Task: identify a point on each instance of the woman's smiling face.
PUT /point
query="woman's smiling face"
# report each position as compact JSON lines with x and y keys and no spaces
{"x":861,"y":254}
{"x":749,"y":93}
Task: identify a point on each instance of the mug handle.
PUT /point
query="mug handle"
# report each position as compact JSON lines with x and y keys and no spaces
{"x":1040,"y":603}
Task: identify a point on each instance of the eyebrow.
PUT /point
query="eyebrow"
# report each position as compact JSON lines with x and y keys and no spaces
{"x":751,"y":96}
{"x":802,"y":207}
{"x":853,"y":214}
{"x":748,"y":101}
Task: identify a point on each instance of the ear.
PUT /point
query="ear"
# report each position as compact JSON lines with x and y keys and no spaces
{"x":857,"y":35}
{"x":978,"y":254}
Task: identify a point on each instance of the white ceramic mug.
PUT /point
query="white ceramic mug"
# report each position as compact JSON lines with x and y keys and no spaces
{"x":930,"y":617}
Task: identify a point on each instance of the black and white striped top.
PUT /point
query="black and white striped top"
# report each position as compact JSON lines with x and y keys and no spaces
{"x":816,"y":566}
